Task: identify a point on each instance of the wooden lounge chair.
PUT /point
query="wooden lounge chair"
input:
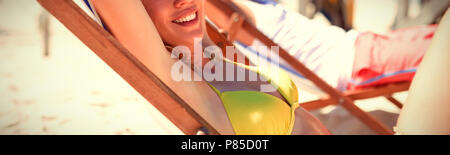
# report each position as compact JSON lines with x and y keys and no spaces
{"x":90,"y":30}
{"x":100,"y":41}
{"x":168,"y":102}
{"x":240,"y":29}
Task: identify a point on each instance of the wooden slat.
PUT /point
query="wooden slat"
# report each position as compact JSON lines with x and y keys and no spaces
{"x":364,"y":93}
{"x":317,"y":104}
{"x":228,"y":7}
{"x":334,"y":94}
{"x":221,"y":41}
{"x":367,"y":119}
{"x":127,"y":66}
{"x":395,"y":101}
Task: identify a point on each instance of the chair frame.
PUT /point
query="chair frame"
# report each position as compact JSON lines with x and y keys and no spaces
{"x":241,"y":29}
{"x":105,"y":46}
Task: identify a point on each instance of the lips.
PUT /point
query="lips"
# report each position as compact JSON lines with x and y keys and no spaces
{"x":187,"y":17}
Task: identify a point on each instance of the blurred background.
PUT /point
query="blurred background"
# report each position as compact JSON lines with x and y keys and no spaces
{"x":51,"y":83}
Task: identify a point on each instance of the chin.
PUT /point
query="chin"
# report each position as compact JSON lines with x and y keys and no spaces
{"x":192,"y":38}
{"x":186,"y":38}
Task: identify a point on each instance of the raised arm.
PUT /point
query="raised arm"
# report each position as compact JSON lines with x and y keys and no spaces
{"x":132,"y":26}
{"x":427,"y":109}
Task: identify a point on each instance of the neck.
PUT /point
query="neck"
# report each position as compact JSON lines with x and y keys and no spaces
{"x":205,"y":42}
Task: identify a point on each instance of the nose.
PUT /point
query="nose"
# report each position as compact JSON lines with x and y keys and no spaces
{"x":181,"y":3}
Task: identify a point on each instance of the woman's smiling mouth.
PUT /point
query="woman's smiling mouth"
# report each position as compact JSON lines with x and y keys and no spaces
{"x":187,"y":20}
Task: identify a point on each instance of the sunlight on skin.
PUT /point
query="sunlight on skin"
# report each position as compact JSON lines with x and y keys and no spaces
{"x":427,"y":109}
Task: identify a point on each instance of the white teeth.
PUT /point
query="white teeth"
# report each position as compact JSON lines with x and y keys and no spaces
{"x":186,"y":19}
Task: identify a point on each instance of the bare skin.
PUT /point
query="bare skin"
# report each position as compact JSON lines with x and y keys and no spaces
{"x":136,"y":31}
{"x":427,"y":109}
{"x":139,"y":28}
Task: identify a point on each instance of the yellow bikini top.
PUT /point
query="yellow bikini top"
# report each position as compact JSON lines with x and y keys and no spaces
{"x":258,"y":113}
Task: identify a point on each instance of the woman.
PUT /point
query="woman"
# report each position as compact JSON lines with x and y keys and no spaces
{"x":147,"y":27}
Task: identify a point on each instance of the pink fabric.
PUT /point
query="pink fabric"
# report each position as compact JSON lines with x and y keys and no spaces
{"x":377,"y":55}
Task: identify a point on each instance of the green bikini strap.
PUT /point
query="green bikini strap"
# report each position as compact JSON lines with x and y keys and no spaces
{"x":288,"y":91}
{"x":215,"y":89}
